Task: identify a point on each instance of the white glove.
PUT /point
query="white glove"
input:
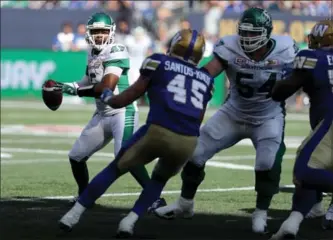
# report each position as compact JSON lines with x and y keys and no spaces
{"x":70,"y":88}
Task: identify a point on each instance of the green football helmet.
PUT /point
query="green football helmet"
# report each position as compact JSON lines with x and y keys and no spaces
{"x":254,"y":29}
{"x":100,"y":31}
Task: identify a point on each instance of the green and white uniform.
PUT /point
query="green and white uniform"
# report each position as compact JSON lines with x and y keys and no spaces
{"x":107,"y":123}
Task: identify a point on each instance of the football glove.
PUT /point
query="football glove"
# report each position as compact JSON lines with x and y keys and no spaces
{"x":106,"y":95}
{"x":70,"y":88}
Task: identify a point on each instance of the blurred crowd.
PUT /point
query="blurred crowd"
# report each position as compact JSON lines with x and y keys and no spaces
{"x":317,"y":7}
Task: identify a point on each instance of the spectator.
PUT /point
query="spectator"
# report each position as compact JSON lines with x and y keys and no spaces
{"x":212,"y":17}
{"x":122,"y":31}
{"x":80,"y":43}
{"x":64,"y":39}
{"x":139,"y":47}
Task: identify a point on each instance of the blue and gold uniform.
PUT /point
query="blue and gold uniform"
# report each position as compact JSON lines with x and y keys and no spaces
{"x":177,"y":93}
{"x":316,"y":152}
{"x":313,"y":169}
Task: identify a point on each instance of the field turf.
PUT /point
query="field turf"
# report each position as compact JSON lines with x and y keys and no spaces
{"x":36,"y":183}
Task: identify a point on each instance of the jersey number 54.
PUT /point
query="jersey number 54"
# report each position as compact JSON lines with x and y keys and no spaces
{"x":177,"y":86}
{"x":247,"y":91}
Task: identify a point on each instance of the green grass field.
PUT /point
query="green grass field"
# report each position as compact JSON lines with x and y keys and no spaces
{"x":36,"y":182}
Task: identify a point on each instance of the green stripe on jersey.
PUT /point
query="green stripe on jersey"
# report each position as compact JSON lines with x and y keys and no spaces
{"x":129,"y":125}
{"x":122,"y":63}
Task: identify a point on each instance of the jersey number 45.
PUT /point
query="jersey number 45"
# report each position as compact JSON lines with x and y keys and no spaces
{"x":177,"y":86}
{"x":247,"y":91}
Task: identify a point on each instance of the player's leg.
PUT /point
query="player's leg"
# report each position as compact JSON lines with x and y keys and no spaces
{"x":268,"y":139}
{"x":314,"y":164}
{"x":218,"y":133}
{"x":142,"y":148}
{"x":101,"y":182}
{"x":91,"y":140}
{"x":123,"y":127}
{"x":127,"y":123}
{"x":174,"y":150}
{"x":312,"y":175}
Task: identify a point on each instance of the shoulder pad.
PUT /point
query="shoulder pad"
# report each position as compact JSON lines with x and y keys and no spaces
{"x":153,"y":62}
{"x":285,"y":42}
{"x":225,"y":46}
{"x":115,"y":51}
{"x":305,"y":59}
{"x":286,"y":47}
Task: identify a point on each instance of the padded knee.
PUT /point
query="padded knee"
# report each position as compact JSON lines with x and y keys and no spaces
{"x":71,"y":159}
{"x":193,"y":174}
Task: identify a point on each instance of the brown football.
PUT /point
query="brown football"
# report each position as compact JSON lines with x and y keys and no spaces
{"x":52,"y":94}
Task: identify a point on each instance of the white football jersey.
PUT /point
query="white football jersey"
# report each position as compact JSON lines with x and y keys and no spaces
{"x":113,"y":55}
{"x":250,"y":81}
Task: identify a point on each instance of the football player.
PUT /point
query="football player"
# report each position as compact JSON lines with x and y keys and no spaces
{"x":253,"y":61}
{"x":313,"y":169}
{"x":108,"y":66}
{"x":178,"y":93}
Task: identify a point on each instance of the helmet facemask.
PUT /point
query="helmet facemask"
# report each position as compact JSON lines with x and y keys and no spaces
{"x":252,"y":38}
{"x":100,"y":35}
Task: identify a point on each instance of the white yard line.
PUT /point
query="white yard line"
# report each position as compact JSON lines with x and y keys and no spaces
{"x":48,"y":151}
{"x":128,"y":194}
{"x":6,"y":155}
{"x":36,"y":140}
{"x":104,"y":154}
{"x":65,"y":160}
{"x":39,"y":105}
{"x":108,"y":157}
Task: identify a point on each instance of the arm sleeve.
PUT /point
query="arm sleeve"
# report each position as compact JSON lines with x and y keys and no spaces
{"x":222,"y":53}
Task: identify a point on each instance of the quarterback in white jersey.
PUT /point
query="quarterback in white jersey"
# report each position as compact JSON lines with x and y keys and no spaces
{"x":108,"y":66}
{"x":253,"y":61}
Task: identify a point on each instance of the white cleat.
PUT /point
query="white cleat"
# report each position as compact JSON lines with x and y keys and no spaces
{"x":72,"y":217}
{"x":289,"y":228}
{"x":259,"y":221}
{"x":182,"y":208}
{"x":328,"y":219}
{"x":316,"y":211}
{"x":126,"y":225}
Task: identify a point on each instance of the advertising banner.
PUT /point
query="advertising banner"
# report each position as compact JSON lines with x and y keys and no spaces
{"x":24,"y":71}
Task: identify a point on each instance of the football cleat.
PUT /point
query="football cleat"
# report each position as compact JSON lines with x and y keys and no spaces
{"x":126,"y":226}
{"x":259,"y":221}
{"x":316,"y":211}
{"x":72,"y":217}
{"x":157,"y":204}
{"x":73,"y":201}
{"x":289,"y":228}
{"x":328,"y":219}
{"x":285,"y":232}
{"x":181,"y":208}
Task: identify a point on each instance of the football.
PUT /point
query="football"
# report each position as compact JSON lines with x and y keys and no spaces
{"x":52,"y":94}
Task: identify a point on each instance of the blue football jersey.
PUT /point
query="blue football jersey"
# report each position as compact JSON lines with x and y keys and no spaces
{"x":178,"y":93}
{"x":319,"y":83}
